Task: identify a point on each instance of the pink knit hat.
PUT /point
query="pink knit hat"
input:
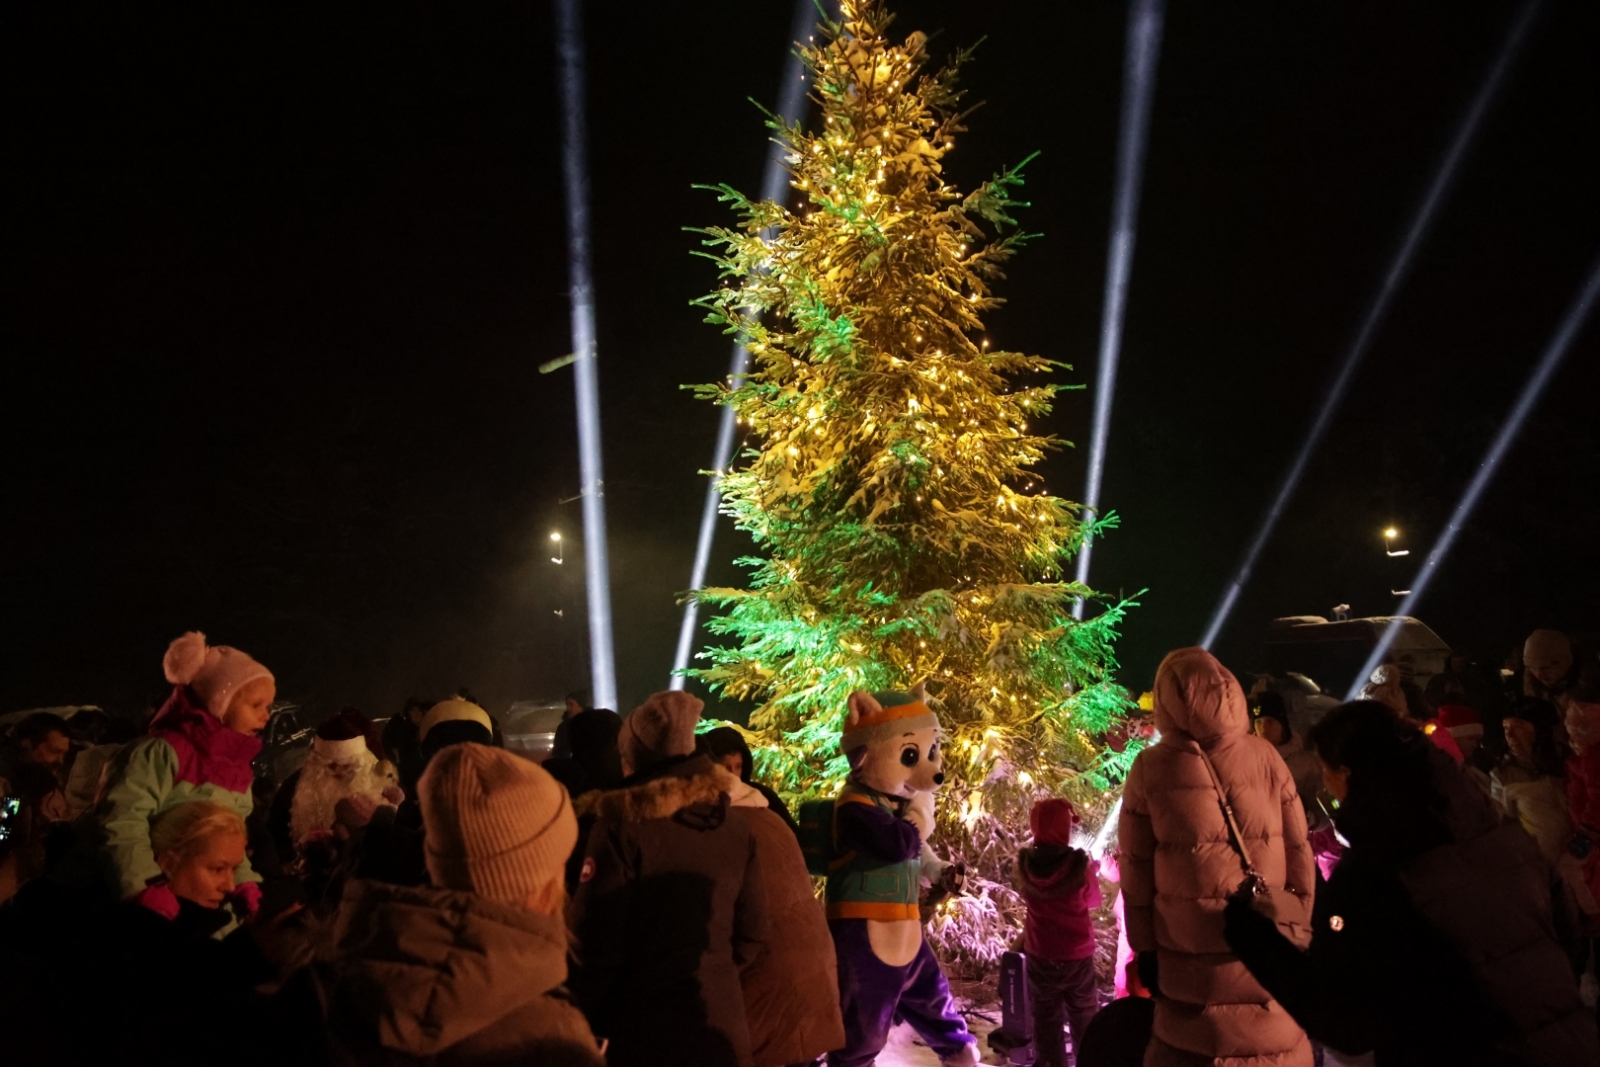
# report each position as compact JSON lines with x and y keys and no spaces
{"x":660,"y":728}
{"x":494,"y":824}
{"x":214,"y":672}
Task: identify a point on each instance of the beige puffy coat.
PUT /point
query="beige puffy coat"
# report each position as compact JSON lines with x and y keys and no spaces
{"x":1178,"y":868}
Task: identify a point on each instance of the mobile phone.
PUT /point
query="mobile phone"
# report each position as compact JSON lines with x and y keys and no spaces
{"x":10,"y":809}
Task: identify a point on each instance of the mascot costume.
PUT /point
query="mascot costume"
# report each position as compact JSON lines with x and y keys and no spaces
{"x":879,"y":856}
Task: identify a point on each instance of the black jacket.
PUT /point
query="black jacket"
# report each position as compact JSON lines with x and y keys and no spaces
{"x":1436,"y":941}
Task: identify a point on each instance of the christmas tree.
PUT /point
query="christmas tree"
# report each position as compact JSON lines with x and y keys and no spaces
{"x":888,"y":482}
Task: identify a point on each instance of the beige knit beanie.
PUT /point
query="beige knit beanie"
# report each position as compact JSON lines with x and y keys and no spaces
{"x":494,"y":824}
{"x":659,"y":729}
{"x":454,"y":710}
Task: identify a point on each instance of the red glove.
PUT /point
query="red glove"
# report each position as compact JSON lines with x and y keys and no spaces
{"x":248,"y":897}
{"x":159,"y":899}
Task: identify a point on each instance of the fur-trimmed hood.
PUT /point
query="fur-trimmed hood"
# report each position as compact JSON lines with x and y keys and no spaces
{"x":1046,"y":872}
{"x":699,"y":788}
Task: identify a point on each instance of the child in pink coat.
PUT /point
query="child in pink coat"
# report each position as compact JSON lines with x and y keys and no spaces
{"x":1061,"y":886}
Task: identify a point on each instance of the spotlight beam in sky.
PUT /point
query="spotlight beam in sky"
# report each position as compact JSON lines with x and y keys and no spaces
{"x":575,"y":166}
{"x":1392,"y":281}
{"x":1529,"y":398}
{"x":1143,"y":50}
{"x":774,"y":184}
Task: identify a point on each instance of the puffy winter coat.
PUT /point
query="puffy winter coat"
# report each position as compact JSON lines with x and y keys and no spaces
{"x":1442,"y":899}
{"x":189,"y":755}
{"x":433,"y":976}
{"x":1538,"y":802}
{"x":1178,"y":868}
{"x":1060,"y":886}
{"x":791,"y":991}
{"x":670,"y":907}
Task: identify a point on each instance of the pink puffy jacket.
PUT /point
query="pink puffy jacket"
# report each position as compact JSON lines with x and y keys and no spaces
{"x":1178,"y":868}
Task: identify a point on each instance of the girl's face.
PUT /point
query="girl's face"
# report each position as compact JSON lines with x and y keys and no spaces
{"x":1519,"y":737}
{"x":208,"y":878}
{"x":251,"y":706}
{"x":734,"y":762}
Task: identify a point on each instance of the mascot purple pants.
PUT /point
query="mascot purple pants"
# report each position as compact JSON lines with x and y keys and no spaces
{"x":872,"y":993}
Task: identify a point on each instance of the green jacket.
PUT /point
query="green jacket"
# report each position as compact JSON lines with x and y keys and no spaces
{"x":143,"y":784}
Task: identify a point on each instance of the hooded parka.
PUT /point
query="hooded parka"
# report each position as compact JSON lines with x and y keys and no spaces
{"x":791,"y":990}
{"x":436,"y":976}
{"x":1179,"y":868}
{"x":670,"y":908}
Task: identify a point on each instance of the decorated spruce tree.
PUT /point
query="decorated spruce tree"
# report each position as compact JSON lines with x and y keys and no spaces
{"x":888,"y":481}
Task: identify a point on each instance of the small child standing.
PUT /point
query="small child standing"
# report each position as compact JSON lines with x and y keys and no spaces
{"x":1061,"y":885}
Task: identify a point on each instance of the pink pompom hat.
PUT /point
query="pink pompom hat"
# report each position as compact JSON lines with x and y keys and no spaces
{"x":214,"y":672}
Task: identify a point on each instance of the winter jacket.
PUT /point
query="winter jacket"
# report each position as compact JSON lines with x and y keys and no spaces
{"x":416,"y":976}
{"x":1538,"y":802}
{"x":1453,"y":906}
{"x":1583,"y":804}
{"x":1178,"y":868}
{"x":791,"y":991}
{"x":1061,"y":886}
{"x":189,"y":755}
{"x":669,"y":909}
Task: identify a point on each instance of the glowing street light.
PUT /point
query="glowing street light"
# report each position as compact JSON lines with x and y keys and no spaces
{"x":1388,"y":544}
{"x":1376,"y":311}
{"x":1543,"y":371}
{"x":561,"y":549}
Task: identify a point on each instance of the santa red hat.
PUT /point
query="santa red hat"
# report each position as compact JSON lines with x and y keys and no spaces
{"x":342,"y":737}
{"x":1460,"y":720}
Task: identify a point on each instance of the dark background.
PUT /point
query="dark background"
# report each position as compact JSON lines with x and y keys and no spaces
{"x":277,"y":284}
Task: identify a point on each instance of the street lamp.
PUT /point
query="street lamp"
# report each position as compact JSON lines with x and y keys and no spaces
{"x":561,"y":549}
{"x":1388,"y":543}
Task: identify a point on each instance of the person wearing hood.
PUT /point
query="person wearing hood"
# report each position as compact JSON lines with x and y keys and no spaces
{"x":670,"y":906}
{"x":471,"y":968}
{"x":728,"y":747}
{"x":1269,"y":717}
{"x":1437,"y":896}
{"x":1180,"y":863}
{"x":199,"y":747}
{"x":1061,"y":886}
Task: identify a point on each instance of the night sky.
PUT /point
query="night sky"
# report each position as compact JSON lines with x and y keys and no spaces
{"x":277,"y":282}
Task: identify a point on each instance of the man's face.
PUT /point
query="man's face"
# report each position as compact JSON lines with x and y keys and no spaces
{"x":50,"y":752}
{"x":1269,"y":730}
{"x":573,"y":708}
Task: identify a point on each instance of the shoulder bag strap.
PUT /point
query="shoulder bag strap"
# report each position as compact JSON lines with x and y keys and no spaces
{"x":1235,"y":838}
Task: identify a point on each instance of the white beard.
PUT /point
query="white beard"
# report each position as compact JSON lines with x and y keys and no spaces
{"x":323,"y":784}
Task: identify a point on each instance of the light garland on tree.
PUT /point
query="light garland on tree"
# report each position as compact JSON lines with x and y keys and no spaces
{"x":890,"y":483}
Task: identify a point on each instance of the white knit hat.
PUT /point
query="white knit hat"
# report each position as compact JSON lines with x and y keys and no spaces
{"x":494,"y":824}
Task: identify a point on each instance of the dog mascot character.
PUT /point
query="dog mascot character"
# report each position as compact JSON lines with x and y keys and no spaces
{"x":880,"y":822}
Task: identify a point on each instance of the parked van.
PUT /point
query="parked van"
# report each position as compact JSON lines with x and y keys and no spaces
{"x":1333,"y":653}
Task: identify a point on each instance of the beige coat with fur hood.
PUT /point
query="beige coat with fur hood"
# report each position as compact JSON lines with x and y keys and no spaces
{"x":791,"y":991}
{"x":1178,"y":868}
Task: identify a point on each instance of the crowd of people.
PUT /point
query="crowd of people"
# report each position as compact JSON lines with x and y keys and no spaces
{"x":1411,"y":875}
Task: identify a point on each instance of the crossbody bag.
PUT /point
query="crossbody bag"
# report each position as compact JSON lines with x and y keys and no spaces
{"x":1288,"y":909}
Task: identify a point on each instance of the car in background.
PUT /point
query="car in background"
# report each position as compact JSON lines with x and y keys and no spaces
{"x":1333,"y":653}
{"x":530,"y":727}
{"x":284,"y":743}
